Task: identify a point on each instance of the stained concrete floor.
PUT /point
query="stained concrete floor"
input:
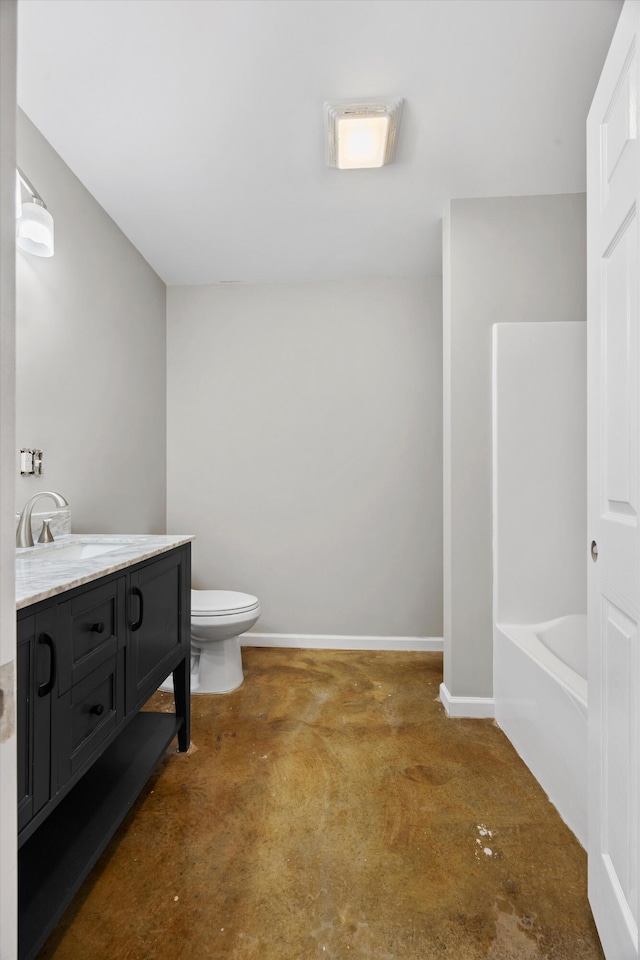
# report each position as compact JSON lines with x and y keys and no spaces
{"x":329,"y":809}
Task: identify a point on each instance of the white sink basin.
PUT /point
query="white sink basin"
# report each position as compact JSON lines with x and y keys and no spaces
{"x":79,"y":550}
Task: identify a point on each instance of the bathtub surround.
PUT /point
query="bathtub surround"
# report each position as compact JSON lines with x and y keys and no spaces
{"x":91,"y":355}
{"x":371,"y":826}
{"x":539,"y":539}
{"x":541,"y":704}
{"x":510,"y":259}
{"x":304,"y":450}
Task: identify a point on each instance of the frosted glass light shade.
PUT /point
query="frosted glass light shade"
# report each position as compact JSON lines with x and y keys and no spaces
{"x":362,"y":142}
{"x":35,"y":229}
{"x":362,"y":134}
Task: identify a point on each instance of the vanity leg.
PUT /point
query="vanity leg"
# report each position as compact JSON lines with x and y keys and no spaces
{"x":182,"y":697}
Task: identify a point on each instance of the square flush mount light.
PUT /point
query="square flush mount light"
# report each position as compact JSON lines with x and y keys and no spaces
{"x":362,"y":133}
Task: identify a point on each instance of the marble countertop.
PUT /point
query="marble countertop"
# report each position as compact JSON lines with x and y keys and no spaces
{"x":46,"y":570}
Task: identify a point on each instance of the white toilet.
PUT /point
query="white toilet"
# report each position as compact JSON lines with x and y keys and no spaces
{"x":218,"y":617}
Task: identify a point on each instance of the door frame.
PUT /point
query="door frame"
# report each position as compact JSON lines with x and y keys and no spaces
{"x":8,"y":787}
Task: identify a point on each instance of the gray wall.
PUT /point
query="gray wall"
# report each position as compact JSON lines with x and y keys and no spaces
{"x":540,"y":464}
{"x":304,"y":450}
{"x":513,"y":259}
{"x":91,"y":359}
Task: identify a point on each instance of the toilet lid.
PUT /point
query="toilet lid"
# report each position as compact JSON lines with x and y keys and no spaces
{"x":212,"y":603}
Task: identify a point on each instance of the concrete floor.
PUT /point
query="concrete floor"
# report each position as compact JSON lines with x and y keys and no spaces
{"x":329,"y":809}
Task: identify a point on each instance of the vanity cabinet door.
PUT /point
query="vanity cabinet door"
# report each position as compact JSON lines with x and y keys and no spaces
{"x":36,"y":676}
{"x":158,"y":604}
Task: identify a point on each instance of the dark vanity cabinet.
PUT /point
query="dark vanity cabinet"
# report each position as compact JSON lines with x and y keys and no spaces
{"x":88,"y":660}
{"x":35,"y":668}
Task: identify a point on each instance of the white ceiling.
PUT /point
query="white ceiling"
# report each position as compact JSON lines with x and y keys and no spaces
{"x":198,"y":124}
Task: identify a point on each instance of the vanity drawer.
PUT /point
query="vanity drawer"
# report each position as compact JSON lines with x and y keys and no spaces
{"x":91,"y":629}
{"x":88,"y":714}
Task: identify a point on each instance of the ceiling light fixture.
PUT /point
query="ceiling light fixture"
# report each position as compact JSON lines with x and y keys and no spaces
{"x":362,"y":133}
{"x":34,"y":232}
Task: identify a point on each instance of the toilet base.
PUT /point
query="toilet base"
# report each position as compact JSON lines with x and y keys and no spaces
{"x":216,"y":667}
{"x":219,"y":666}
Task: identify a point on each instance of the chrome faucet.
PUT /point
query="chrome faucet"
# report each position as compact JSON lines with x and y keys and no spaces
{"x":24,"y":536}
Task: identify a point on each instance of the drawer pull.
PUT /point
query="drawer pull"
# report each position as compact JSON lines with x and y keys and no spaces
{"x":98,"y":709}
{"x":97,"y":627}
{"x":47,"y":687}
{"x":136,"y":592}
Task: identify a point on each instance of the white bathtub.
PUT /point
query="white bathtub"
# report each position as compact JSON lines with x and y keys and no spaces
{"x":540,"y":690}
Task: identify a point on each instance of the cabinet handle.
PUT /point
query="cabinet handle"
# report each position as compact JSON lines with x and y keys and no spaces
{"x":136,"y":592}
{"x":47,"y":687}
{"x":98,"y":709}
{"x":97,"y":627}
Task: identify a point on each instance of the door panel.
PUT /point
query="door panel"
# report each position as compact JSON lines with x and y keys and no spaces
{"x":620,"y":726}
{"x":620,"y":407}
{"x":25,"y":668}
{"x":613,"y":195}
{"x":36,"y":664}
{"x":159,"y":596}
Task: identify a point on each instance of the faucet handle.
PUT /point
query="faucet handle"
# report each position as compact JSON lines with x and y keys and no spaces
{"x":24,"y":536}
{"x":45,"y":534}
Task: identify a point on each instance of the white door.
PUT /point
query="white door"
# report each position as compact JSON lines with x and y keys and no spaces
{"x":613,"y":189}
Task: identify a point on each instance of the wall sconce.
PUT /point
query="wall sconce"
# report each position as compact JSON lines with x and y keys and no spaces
{"x":34,"y":231}
{"x":362,"y":133}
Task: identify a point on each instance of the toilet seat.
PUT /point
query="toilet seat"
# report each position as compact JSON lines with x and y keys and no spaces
{"x":221,"y":603}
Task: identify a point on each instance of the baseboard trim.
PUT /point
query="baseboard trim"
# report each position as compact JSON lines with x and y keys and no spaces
{"x":319,"y":641}
{"x":473,"y":707}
